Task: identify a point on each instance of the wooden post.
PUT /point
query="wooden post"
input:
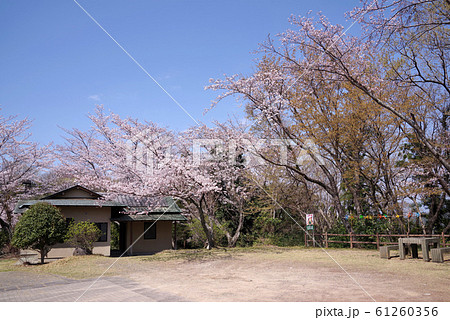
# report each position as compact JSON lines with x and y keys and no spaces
{"x":326,"y":239}
{"x":378,"y":241}
{"x":351,"y":241}
{"x":313,"y":238}
{"x":131,"y":238}
{"x":174,"y":236}
{"x":306,"y":239}
{"x":443,"y":240}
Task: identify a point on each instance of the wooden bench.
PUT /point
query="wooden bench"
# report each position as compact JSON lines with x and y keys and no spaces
{"x":385,"y":251}
{"x":437,"y":254}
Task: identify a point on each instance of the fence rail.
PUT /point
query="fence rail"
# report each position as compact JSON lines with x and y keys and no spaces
{"x":324,"y":239}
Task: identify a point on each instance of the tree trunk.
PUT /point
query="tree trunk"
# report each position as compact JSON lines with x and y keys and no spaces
{"x":232,"y":240}
{"x":207,"y":230}
{"x":209,"y":237}
{"x":446,"y":228}
{"x":433,"y":215}
{"x":7,"y":228}
{"x":43,"y":253}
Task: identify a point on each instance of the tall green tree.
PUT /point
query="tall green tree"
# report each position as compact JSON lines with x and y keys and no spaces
{"x":356,"y":99}
{"x":40,"y":227}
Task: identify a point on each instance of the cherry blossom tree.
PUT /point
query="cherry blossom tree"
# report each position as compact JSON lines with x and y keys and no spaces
{"x":209,"y":173}
{"x":198,"y":166}
{"x":21,"y":168}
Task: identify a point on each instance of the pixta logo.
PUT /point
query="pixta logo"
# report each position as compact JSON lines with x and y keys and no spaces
{"x":146,"y":151}
{"x":255,"y":152}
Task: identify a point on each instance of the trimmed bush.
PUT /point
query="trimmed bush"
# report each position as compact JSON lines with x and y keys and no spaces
{"x":83,"y":235}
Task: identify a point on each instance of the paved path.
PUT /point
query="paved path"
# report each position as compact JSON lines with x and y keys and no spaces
{"x":24,"y":286}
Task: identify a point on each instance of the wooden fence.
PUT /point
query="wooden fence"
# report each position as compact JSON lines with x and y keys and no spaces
{"x":354,"y":240}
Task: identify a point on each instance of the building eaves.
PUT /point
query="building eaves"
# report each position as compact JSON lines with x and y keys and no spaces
{"x":149,"y":217}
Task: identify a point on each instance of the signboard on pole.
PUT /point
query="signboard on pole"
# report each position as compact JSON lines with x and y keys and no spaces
{"x":309,"y":222}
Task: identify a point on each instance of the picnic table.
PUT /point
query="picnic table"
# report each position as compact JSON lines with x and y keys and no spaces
{"x":414,"y":242}
{"x":27,"y":257}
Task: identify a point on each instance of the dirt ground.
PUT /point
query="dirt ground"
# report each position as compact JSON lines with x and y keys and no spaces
{"x":297,"y":275}
{"x":271,"y":274}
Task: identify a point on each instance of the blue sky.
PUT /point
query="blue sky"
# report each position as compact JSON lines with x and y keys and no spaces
{"x":57,"y":65}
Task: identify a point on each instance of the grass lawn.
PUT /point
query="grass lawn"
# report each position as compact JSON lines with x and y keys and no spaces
{"x":80,"y":267}
{"x":7,"y":264}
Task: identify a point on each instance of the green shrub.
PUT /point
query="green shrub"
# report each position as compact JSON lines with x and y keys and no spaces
{"x":278,"y":231}
{"x":182,"y":234}
{"x":83,"y":235}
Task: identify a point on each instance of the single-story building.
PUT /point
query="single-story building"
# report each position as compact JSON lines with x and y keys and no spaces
{"x":132,"y":215}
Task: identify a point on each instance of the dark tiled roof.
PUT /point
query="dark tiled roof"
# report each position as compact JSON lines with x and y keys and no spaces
{"x":23,"y":205}
{"x":147,"y":204}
